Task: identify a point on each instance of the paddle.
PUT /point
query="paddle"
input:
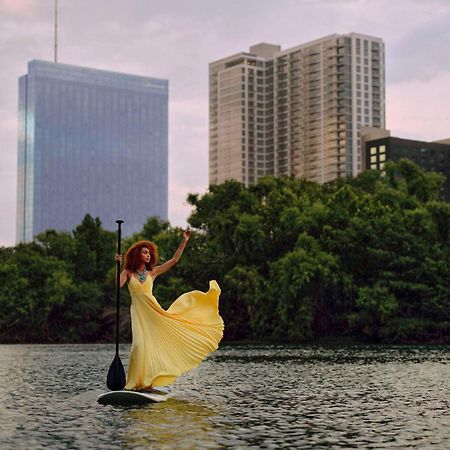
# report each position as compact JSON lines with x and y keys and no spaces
{"x":116,"y":373}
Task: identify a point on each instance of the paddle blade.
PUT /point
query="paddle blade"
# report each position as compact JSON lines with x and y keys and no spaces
{"x":116,"y":375}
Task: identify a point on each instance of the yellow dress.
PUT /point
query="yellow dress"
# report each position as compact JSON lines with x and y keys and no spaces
{"x":169,"y":343}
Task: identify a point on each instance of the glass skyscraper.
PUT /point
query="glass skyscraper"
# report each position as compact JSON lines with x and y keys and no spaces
{"x":90,"y":141}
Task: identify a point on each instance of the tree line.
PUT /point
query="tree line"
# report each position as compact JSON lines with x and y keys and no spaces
{"x":366,"y":258}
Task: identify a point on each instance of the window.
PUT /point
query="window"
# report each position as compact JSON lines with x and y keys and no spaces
{"x":382,"y":149}
{"x":383,"y":157}
{"x":373,"y":159}
{"x":373,"y":150}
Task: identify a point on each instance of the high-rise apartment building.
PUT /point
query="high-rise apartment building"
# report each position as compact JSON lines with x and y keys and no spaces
{"x":295,"y":112}
{"x":90,"y":141}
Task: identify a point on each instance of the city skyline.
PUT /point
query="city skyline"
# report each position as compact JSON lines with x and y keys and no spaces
{"x":80,"y":130}
{"x":176,"y":41}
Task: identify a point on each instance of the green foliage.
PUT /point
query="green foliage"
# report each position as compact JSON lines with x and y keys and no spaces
{"x":423,"y":185}
{"x":33,"y":284}
{"x":376,"y":307}
{"x":94,"y":249}
{"x":242,"y":305}
{"x":301,"y":282}
{"x":77,"y":319}
{"x":16,"y":302}
{"x":367,"y":257}
{"x":152,"y":228}
{"x":54,"y":288}
{"x":354,"y":256}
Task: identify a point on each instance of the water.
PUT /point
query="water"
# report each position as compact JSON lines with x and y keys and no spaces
{"x":241,"y":397}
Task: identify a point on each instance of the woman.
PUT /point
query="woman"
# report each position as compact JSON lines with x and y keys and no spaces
{"x":166,"y":343}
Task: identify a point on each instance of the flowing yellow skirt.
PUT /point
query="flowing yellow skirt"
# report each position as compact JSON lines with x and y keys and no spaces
{"x":169,"y":343}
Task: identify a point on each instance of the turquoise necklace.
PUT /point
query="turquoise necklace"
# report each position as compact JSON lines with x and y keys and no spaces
{"x":142,"y":274}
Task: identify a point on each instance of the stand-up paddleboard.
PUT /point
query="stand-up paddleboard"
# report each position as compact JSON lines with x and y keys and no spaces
{"x":129,"y":398}
{"x":161,"y":390}
{"x":123,"y":397}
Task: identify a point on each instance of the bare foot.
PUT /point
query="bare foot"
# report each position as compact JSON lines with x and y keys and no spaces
{"x":147,"y":389}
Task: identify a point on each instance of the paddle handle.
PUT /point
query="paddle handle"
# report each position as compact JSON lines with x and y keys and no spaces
{"x":119,"y":251}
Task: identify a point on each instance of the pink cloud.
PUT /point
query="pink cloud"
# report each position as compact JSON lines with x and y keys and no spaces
{"x":19,"y":7}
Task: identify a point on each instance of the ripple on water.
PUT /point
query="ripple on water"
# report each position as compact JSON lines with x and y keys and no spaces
{"x":241,"y":397}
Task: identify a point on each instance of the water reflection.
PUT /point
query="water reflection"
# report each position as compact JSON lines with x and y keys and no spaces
{"x":170,"y":425}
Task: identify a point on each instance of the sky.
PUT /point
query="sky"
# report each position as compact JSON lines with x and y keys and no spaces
{"x":176,"y":39}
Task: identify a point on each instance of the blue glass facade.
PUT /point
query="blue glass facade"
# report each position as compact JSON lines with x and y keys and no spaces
{"x":90,"y":141}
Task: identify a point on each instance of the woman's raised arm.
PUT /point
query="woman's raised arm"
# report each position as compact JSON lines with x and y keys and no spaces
{"x":158,"y":270}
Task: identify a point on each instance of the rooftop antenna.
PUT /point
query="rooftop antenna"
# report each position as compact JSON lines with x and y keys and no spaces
{"x":56,"y":31}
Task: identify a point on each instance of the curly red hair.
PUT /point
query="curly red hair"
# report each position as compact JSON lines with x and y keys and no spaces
{"x":133,"y":256}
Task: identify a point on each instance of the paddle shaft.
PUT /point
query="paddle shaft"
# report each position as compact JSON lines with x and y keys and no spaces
{"x":119,"y":251}
{"x":116,"y":378}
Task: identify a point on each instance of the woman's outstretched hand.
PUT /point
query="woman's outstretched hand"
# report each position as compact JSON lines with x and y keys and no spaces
{"x":118,"y":258}
{"x":186,"y":235}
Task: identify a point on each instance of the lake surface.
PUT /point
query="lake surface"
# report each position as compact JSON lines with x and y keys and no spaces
{"x":243,"y":396}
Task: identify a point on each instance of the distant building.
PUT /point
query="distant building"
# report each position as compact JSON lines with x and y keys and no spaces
{"x":295,"y":112}
{"x":431,"y":156}
{"x":90,"y":141}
